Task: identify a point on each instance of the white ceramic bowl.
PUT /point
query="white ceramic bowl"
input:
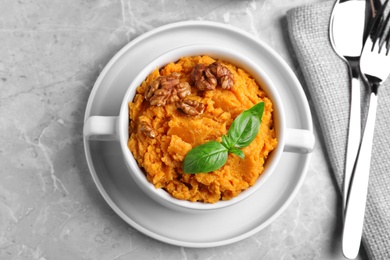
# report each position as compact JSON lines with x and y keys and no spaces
{"x":108,"y":128}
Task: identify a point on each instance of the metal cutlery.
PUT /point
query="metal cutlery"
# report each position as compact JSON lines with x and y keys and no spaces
{"x":346,"y":31}
{"x":375,"y":67}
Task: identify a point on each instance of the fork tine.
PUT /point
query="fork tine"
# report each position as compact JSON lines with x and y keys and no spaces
{"x":378,"y":25}
{"x":384,"y":34}
{"x":388,"y":43}
{"x":387,"y":37}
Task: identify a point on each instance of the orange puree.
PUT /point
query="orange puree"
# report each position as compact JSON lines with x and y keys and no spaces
{"x":162,"y":156}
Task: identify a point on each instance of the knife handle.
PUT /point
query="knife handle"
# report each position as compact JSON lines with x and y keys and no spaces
{"x":357,"y":196}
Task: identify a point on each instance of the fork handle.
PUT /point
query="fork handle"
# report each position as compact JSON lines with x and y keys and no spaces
{"x":354,"y":129}
{"x":357,"y":196}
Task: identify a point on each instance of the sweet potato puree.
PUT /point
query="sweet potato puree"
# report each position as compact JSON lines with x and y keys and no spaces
{"x":162,"y":155}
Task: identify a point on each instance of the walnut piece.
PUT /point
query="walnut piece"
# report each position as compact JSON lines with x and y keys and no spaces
{"x":190,"y":107}
{"x":147,"y":129}
{"x":223,"y":75}
{"x":183,"y":89}
{"x":152,"y":88}
{"x":202,"y":78}
{"x":207,"y":77}
{"x":167,"y":89}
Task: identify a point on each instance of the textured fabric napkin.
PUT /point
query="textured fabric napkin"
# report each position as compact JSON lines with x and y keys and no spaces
{"x":327,"y":82}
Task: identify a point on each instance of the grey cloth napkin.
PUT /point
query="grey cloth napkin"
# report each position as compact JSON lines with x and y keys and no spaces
{"x":327,"y":83}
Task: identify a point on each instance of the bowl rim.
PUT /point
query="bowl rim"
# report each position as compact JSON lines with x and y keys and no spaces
{"x":216,"y":52}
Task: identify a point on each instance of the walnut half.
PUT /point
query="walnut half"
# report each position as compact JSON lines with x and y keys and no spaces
{"x":190,"y":107}
{"x":147,"y":129}
{"x":223,"y":75}
{"x":207,"y":77}
{"x":167,"y":89}
{"x":202,"y":78}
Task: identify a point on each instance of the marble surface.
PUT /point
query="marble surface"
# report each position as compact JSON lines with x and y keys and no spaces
{"x":51,"y":53}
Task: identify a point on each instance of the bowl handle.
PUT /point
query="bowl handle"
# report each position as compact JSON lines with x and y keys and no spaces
{"x":101,"y":128}
{"x":299,"y":141}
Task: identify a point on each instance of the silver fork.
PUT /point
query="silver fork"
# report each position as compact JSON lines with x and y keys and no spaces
{"x":375,"y":68}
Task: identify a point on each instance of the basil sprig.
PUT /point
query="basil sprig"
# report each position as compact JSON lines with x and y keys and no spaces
{"x":213,"y":155}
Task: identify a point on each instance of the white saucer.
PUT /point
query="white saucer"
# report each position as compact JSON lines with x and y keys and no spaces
{"x":223,"y":226}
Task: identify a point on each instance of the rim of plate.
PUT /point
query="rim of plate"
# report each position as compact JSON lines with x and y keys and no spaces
{"x":102,"y":190}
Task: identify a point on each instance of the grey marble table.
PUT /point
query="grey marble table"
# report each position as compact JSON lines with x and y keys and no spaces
{"x":51,"y":53}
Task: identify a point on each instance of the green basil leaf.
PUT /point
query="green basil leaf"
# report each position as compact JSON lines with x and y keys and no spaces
{"x":257,"y":110}
{"x":250,"y":127}
{"x":204,"y":158}
{"x":226,"y":142}
{"x":246,"y":126}
{"x":237,"y":152}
